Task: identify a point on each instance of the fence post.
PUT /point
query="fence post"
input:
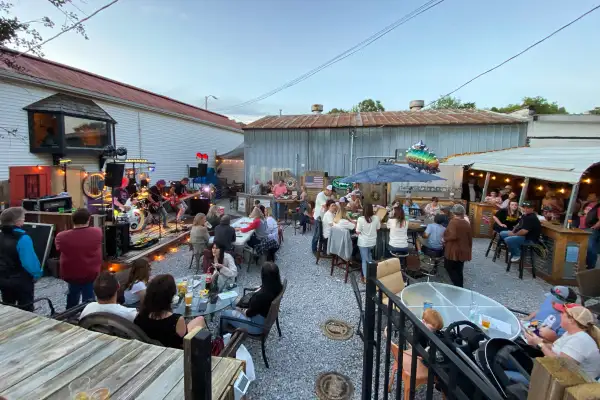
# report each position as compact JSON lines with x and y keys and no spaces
{"x":369,"y":328}
{"x":197,"y":365}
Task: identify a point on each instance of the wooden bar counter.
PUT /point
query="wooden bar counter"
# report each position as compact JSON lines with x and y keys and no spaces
{"x":567,"y":249}
{"x":482,"y":221}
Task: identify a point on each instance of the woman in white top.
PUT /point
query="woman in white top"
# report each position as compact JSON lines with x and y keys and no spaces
{"x":433,"y":208}
{"x":398,"y":226}
{"x":139,"y":275}
{"x":328,"y":219}
{"x":224,"y":265}
{"x":341,"y":219}
{"x":367,"y":227}
{"x":580,"y":343}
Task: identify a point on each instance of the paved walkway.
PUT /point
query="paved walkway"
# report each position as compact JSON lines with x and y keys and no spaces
{"x":312,"y":297}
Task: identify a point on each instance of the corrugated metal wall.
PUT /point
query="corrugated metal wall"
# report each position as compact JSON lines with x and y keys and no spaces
{"x":328,"y":150}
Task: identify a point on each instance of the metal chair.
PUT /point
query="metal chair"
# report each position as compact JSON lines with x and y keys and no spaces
{"x":30,"y":306}
{"x":115,"y":325}
{"x":589,"y":288}
{"x":358,"y":297}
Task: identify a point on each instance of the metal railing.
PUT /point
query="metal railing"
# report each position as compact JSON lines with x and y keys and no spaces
{"x":452,"y":376}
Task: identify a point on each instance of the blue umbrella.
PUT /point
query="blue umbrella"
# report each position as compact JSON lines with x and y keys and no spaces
{"x":385,"y":173}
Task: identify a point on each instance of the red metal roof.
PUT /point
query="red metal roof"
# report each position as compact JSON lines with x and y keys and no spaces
{"x":386,"y":118}
{"x":65,"y":75}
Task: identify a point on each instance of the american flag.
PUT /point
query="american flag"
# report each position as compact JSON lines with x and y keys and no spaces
{"x":314,"y":182}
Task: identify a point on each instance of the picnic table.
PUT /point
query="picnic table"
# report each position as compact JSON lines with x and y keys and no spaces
{"x":40,"y":357}
{"x":240,"y":238}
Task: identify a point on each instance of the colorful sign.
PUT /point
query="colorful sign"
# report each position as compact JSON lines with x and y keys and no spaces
{"x":422,"y":159}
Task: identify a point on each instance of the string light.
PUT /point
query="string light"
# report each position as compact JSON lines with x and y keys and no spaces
{"x":493,"y":178}
{"x":39,"y":168}
{"x":522,"y":184}
{"x":507,"y":180}
{"x":472,"y":173}
{"x":562,"y":191}
{"x":540,"y":187}
{"x":587,"y":180}
{"x":481,"y":175}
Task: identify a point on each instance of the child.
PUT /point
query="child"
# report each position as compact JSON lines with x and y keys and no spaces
{"x":546,"y":321}
{"x":139,"y":275}
{"x":433,"y":320}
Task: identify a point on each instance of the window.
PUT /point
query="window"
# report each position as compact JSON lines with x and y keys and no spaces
{"x":85,"y":133}
{"x":45,"y":132}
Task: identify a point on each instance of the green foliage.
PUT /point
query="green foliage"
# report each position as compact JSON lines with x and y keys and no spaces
{"x":451,"y":102}
{"x":540,"y":104}
{"x":367,"y":105}
{"x":595,"y":111}
{"x":338,"y":111}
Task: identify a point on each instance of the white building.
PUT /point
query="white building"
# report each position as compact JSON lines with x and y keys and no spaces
{"x":49,"y":110}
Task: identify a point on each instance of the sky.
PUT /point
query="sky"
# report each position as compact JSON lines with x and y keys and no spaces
{"x":237,"y":50}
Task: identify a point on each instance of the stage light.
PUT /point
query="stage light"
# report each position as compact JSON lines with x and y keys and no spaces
{"x":207,"y":189}
{"x":151,"y":168}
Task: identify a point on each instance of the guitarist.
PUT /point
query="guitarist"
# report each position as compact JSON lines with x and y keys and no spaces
{"x":157,"y":199}
{"x":179,"y":190}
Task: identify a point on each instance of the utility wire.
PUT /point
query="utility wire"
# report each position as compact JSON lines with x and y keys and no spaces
{"x":516,"y":55}
{"x":368,"y":41}
{"x":66,"y":30}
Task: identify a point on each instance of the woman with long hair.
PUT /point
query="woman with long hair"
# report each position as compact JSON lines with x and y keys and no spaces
{"x":213,"y":217}
{"x":199,"y":237}
{"x":156,"y":317}
{"x":258,"y":305}
{"x":507,"y":218}
{"x":366,"y":228}
{"x":341,"y":219}
{"x":139,"y":275}
{"x":398,"y":226}
{"x":260,"y":240}
{"x":224,"y":267}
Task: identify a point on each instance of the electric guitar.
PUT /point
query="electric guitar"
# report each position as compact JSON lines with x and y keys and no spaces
{"x":175,"y":199}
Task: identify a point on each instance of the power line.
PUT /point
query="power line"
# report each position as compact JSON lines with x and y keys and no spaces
{"x":516,"y":55}
{"x":66,"y":30}
{"x":423,"y":8}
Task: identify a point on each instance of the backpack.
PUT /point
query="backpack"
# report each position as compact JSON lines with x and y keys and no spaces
{"x":591,"y":218}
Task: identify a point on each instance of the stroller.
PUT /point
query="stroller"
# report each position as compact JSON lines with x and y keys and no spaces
{"x":489,"y":359}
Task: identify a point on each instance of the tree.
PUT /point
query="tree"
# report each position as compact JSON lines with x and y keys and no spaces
{"x":367,"y":105}
{"x":452,"y":102}
{"x":595,"y":111}
{"x":539,"y":103}
{"x":20,"y":35}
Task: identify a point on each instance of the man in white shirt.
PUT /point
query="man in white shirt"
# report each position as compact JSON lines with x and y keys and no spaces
{"x":106,"y":287}
{"x":320,"y":201}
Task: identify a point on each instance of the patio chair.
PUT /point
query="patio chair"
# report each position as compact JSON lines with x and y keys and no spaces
{"x":527,"y":249}
{"x":357,"y":295}
{"x":72,"y":314}
{"x":32,"y":305}
{"x":272,"y":318}
{"x":589,"y":288}
{"x":390,"y":275}
{"x":339,"y":245}
{"x":115,"y":325}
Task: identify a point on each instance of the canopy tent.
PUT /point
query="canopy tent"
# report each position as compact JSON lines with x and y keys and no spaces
{"x":554,"y":164}
{"x":390,"y":173}
{"x":235,"y":154}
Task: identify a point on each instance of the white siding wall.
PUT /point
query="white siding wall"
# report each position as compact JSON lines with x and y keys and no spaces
{"x":170,"y":142}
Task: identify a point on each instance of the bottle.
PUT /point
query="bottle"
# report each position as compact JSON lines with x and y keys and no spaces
{"x":474,"y":313}
{"x":569,"y":222}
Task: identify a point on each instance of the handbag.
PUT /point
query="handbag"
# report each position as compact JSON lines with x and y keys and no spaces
{"x":245,"y":300}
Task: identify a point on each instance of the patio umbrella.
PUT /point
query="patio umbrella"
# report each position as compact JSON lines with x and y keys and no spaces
{"x":385,"y":173}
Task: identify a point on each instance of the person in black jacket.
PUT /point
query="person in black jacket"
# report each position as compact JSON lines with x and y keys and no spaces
{"x":19,"y":265}
{"x":259,"y":304}
{"x":471,"y":191}
{"x":224,"y":234}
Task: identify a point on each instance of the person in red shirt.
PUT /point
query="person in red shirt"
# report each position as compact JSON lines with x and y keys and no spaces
{"x":80,"y":257}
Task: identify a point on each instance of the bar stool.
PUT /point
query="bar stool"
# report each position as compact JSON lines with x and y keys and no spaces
{"x":494,"y":240}
{"x":402,"y":256}
{"x":526,"y":249}
{"x":501,"y":245}
{"x":432,"y":258}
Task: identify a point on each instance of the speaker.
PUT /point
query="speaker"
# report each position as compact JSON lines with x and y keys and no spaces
{"x":114,"y":175}
{"x":202,"y":170}
{"x":326,"y":174}
{"x":193,"y":173}
{"x":199,"y":206}
{"x":117,"y":239}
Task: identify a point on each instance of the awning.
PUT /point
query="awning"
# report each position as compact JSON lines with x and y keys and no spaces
{"x":556,"y":164}
{"x":75,"y":106}
{"x":235,"y":154}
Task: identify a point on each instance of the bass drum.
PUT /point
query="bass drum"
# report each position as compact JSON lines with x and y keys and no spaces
{"x":135,"y":218}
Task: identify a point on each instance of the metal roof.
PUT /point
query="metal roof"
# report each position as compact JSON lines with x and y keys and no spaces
{"x":385,"y":118}
{"x":76,"y":106}
{"x":556,"y":164}
{"x":63,"y":74}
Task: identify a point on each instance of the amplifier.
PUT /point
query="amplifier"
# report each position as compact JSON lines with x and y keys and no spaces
{"x":48,"y":204}
{"x":116,"y":237}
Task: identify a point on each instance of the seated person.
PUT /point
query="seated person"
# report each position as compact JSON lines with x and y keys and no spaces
{"x":225,"y":233}
{"x":545,"y":322}
{"x":493,"y":198}
{"x":527,"y":231}
{"x":272,"y":226}
{"x":106,"y":287}
{"x":213,"y":218}
{"x":341,"y":219}
{"x":410,"y":205}
{"x":223,"y":266}
{"x":354,"y":204}
{"x":199,"y":237}
{"x":139,"y":275}
{"x":259,"y":304}
{"x":507,"y":218}
{"x":432,"y":238}
{"x":433,"y":208}
{"x":156,"y":317}
{"x":446,"y":215}
{"x":580,"y":343}
{"x":328,"y":218}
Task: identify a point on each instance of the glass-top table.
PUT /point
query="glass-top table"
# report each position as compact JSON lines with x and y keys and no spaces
{"x":454,"y":304}
{"x":194,"y":311}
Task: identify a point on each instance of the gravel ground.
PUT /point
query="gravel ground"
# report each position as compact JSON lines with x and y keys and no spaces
{"x":312,"y":297}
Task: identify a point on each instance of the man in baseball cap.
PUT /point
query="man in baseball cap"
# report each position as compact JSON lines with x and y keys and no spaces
{"x":355,"y":204}
{"x":320,"y":201}
{"x":527,"y":231}
{"x":546,"y":321}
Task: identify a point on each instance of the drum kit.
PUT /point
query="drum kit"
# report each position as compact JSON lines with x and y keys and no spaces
{"x":139,"y":208}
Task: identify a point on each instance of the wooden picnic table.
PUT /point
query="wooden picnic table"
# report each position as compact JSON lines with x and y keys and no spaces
{"x":40,"y":357}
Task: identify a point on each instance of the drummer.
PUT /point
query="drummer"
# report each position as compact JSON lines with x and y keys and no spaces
{"x":354,"y":203}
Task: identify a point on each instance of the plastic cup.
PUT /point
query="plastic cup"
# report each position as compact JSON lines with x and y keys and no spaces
{"x":485,"y":323}
{"x":79,"y":388}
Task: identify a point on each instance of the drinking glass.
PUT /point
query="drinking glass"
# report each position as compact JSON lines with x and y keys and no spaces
{"x":100,"y":394}
{"x":485,"y":322}
{"x":188,"y":299}
{"x":79,"y":388}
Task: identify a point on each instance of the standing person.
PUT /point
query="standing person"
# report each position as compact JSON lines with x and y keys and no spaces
{"x":433,"y":208}
{"x":552,"y":206}
{"x":120,"y":197}
{"x":303,"y":209}
{"x":179,"y":190}
{"x":355,"y":204}
{"x":507,"y":218}
{"x":590,"y":221}
{"x":471,"y":191}
{"x":225,"y":234}
{"x":528,"y":230}
{"x":398,"y":226}
{"x":139,"y":275}
{"x":366,"y":228}
{"x":19,"y":265}
{"x":458,"y":241}
{"x":255,"y":189}
{"x":80,"y":257}
{"x":157,"y":198}
{"x":320,"y":201}
{"x":279,"y":191}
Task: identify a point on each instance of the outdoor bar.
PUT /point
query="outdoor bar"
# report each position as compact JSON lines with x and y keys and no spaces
{"x":558,"y":173}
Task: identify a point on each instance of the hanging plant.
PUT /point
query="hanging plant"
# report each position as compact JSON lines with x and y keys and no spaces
{"x":422,"y":159}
